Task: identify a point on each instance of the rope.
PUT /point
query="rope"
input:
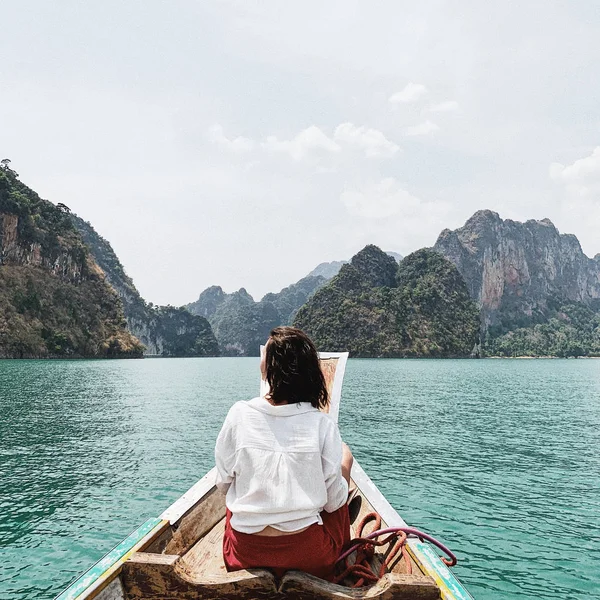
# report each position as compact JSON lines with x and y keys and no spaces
{"x":364,"y":546}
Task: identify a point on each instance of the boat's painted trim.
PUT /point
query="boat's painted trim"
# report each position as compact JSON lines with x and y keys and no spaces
{"x":103,"y":572}
{"x":190,"y":498}
{"x":336,"y":392}
{"x":422,"y":553}
{"x":429,"y":562}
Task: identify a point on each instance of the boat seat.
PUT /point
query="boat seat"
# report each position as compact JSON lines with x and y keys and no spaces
{"x":201,"y":573}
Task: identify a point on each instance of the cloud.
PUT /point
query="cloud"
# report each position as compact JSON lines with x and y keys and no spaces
{"x":239,"y":144}
{"x":441,"y":107}
{"x":411,"y":93}
{"x":309,"y":141}
{"x":581,"y":172}
{"x":372,"y":141}
{"x":380,"y":200}
{"x":581,"y":181}
{"x":385,"y":213}
{"x":426,"y":128}
{"x":313,"y":141}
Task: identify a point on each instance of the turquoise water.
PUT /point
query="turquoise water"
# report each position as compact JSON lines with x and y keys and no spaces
{"x":500,"y":459}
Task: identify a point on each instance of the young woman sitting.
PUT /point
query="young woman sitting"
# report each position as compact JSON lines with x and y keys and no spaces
{"x":284,"y":468}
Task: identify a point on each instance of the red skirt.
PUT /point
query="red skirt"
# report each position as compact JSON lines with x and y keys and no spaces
{"x":314,"y":550}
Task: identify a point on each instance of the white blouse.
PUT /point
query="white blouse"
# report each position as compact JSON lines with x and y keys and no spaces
{"x":279,"y":465}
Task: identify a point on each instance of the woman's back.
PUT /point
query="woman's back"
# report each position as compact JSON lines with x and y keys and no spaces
{"x":286,"y":463}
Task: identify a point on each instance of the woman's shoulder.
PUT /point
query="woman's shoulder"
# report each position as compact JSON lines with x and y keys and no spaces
{"x":240,"y":407}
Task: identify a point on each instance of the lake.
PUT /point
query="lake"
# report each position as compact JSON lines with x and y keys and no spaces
{"x":499,"y":459}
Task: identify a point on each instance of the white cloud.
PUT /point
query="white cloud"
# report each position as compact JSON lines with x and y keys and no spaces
{"x":581,"y":172}
{"x":380,"y":200}
{"x":372,"y":141}
{"x":310,"y":140}
{"x":313,"y":141}
{"x":426,"y":128}
{"x":411,"y":93}
{"x":579,"y":202}
{"x":239,"y":144}
{"x":441,"y":107}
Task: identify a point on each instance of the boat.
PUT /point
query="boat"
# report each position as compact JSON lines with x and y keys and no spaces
{"x":178,"y":555}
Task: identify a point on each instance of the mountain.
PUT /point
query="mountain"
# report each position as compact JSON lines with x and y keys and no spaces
{"x":164,"y":330}
{"x":374,"y":307}
{"x":55,"y":300}
{"x":290,"y":299}
{"x":328,"y":270}
{"x":240,"y":324}
{"x":538,"y":292}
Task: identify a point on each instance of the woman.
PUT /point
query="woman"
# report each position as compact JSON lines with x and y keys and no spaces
{"x":284,"y":468}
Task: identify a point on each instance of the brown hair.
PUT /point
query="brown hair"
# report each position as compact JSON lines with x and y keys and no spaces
{"x":292,"y":368}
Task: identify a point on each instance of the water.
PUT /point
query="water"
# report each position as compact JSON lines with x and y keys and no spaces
{"x":498,"y":458}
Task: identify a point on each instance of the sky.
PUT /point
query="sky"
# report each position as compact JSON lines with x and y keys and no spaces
{"x":241,"y":143}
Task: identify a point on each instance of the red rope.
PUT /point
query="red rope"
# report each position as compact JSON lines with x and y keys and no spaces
{"x":361,"y":567}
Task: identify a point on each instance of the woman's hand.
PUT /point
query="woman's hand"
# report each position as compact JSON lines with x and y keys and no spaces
{"x":347,"y":460}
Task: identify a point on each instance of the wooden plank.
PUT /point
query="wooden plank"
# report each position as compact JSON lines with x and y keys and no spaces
{"x":205,"y":559}
{"x":198,"y":521}
{"x":191,"y":497}
{"x":161,"y":541}
{"x":105,"y":570}
{"x":422,"y":553}
{"x":113,"y":591}
{"x":153,"y":558}
{"x":297,"y":585}
{"x":148,"y":577}
{"x":151,"y":576}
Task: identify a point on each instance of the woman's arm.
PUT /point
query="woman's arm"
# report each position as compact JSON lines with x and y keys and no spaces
{"x":337,"y":460}
{"x":347,"y":461}
{"x":225,"y":455}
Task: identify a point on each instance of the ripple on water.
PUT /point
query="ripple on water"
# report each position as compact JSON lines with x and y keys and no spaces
{"x":499,"y":459}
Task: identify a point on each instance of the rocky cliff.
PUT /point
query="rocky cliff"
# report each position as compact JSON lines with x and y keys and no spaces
{"x":375,"y":307}
{"x":538,"y":292}
{"x":240,"y":324}
{"x":164,"y":330}
{"x":291,"y":298}
{"x":54,"y":299}
{"x":514,"y":270}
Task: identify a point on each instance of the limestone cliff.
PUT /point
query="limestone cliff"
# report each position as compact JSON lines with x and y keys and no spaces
{"x":54,"y":298}
{"x":513,"y":269}
{"x":240,"y":324}
{"x":164,"y":330}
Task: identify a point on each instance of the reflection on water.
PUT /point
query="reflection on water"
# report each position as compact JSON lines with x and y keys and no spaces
{"x":497,"y":458}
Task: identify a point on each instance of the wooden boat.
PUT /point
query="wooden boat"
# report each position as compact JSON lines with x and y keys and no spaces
{"x":179,"y":554}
